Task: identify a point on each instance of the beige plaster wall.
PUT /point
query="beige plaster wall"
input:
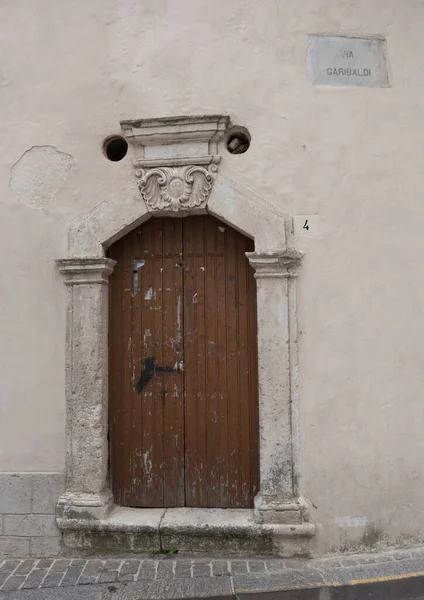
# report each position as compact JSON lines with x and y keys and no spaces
{"x":71,"y":71}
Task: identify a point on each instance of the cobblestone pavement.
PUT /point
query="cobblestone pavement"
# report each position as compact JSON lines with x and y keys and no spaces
{"x":64,"y":573}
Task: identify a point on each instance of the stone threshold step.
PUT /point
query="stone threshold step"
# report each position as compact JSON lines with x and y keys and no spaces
{"x":200,"y":530}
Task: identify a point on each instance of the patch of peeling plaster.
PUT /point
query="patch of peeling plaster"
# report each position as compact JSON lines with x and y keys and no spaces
{"x":39,"y":174}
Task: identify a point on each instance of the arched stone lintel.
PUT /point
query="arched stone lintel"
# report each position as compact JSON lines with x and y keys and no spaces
{"x":93,"y":232}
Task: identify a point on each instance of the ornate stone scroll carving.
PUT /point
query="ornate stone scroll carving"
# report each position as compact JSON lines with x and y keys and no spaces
{"x":176,"y":159}
{"x":176,"y":188}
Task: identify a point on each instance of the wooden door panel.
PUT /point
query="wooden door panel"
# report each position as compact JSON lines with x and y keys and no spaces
{"x":221,"y":407}
{"x":147,"y":425}
{"x":182,"y":290}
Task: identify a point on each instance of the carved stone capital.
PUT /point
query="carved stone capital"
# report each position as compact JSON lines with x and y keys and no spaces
{"x":176,"y":188}
{"x":85,"y":270}
{"x":275,"y":264}
{"x":176,"y":160}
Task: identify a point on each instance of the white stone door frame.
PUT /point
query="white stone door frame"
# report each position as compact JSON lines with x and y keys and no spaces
{"x":176,"y":164}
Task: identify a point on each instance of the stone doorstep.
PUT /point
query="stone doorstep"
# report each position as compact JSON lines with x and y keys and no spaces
{"x":233,"y":531}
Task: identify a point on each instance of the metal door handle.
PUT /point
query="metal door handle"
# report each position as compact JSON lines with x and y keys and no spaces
{"x":150,"y":368}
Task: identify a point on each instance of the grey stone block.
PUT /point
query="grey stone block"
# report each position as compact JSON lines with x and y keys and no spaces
{"x":147,"y":573}
{"x":177,"y":588}
{"x":14,"y":547}
{"x":52,"y":580}
{"x":130,"y":567}
{"x":34,"y":579}
{"x":44,"y":563}
{"x":61,"y":565}
{"x":201,"y":571}
{"x":25,"y":567}
{"x":282,"y":581}
{"x":46,"y":489}
{"x":257,"y":566}
{"x":108,"y":577}
{"x":238,"y":566}
{"x":93,"y":568}
{"x":15,"y":493}
{"x":220,"y":568}
{"x":13,"y":583}
{"x":72,"y":575}
{"x":9,"y":565}
{"x":165,"y":570}
{"x":44,"y":546}
{"x":30,"y":525}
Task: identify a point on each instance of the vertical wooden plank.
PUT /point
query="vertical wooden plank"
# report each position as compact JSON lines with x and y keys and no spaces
{"x":211,"y":347}
{"x":136,"y":409}
{"x":173,"y":402}
{"x":151,"y":446}
{"x":221,"y":309}
{"x":194,"y":341}
{"x":234,"y":447}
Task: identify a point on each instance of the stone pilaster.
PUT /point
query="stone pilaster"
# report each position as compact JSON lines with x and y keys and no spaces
{"x":277,"y":500}
{"x":86,"y":492}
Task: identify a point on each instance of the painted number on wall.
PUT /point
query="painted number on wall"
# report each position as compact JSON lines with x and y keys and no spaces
{"x":306,"y":224}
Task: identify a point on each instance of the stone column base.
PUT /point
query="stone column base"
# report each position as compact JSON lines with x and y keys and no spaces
{"x":77,"y":506}
{"x":284,"y":513}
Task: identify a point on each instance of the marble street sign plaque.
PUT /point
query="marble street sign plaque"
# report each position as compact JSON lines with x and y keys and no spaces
{"x":342,"y":61}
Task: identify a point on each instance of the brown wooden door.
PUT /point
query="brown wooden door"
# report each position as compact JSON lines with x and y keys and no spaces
{"x":183,"y":366}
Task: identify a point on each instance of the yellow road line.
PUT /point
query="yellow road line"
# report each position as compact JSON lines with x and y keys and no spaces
{"x":320,"y":584}
{"x":386,"y":578}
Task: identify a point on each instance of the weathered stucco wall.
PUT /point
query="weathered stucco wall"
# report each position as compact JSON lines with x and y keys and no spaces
{"x":70,"y":72}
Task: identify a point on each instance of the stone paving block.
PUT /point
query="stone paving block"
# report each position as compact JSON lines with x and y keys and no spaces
{"x":52,"y":580}
{"x":60,"y":565}
{"x":93,"y":568}
{"x":15,"y":493}
{"x":78,"y":562}
{"x":46,"y":489}
{"x":130,"y":567}
{"x":72,"y":575}
{"x":220,"y":568}
{"x":113,"y":564}
{"x":201,"y":571}
{"x":45,"y":563}
{"x":3,"y":577}
{"x":13,"y":583}
{"x":147,"y":573}
{"x":165,"y":570}
{"x":44,"y":546}
{"x":179,"y":588}
{"x":295,"y":564}
{"x":128,"y":577}
{"x":87,"y":579}
{"x":268,"y":582}
{"x":25,"y":567}
{"x":9,"y":565}
{"x":256,"y":566}
{"x":108,"y":577}
{"x":238,"y":566}
{"x":30,"y":525}
{"x":14,"y":547}
{"x":274,"y":566}
{"x":34,"y":579}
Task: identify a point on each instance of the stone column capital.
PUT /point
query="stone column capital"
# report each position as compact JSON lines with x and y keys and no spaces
{"x":88,"y":270}
{"x":275,"y":264}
